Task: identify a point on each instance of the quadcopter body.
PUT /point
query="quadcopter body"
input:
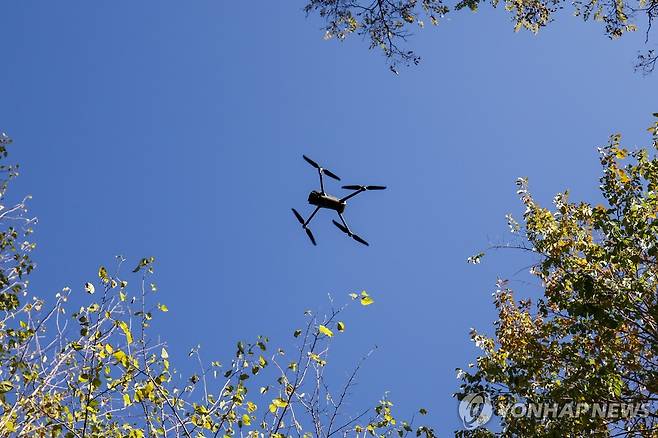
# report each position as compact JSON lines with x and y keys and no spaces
{"x":324,"y":200}
{"x":321,"y":199}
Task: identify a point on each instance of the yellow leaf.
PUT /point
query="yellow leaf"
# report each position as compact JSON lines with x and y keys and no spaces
{"x":126,"y":331}
{"x":126,"y":400}
{"x":102,"y":274}
{"x":325,"y":331}
{"x":279,"y":403}
{"x":89,"y":288}
{"x":366,"y":300}
{"x":340,"y":326}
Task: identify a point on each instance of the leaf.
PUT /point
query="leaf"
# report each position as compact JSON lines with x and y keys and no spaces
{"x":279,"y":403}
{"x":366,"y":300}
{"x":143,"y":262}
{"x":102,"y":274}
{"x":89,"y":288}
{"x":163,"y":308}
{"x":340,"y":326}
{"x":164,"y":354}
{"x":297,"y":333}
{"x":6,"y":386}
{"x":316,"y":358}
{"x":422,"y":411}
{"x":325,"y":331}
{"x":126,"y":331}
{"x":126,"y":400}
{"x":475,"y":259}
{"x":354,"y":296}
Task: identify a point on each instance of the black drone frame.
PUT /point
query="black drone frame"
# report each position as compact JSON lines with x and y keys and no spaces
{"x":323,"y":200}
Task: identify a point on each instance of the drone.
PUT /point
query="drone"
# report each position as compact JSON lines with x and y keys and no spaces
{"x":322,"y":199}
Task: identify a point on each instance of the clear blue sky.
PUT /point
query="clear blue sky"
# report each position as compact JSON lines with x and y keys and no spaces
{"x":176,"y":129}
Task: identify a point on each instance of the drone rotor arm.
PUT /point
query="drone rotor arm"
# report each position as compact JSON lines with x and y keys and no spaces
{"x":356,"y":192}
{"x":311,"y":217}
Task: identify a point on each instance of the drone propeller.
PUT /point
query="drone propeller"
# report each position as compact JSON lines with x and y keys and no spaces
{"x":330,"y":174}
{"x":310,"y":236}
{"x":360,"y":240}
{"x":341,"y":227}
{"x":354,"y":187}
{"x":311,"y":162}
{"x":321,"y":169}
{"x":301,"y":221}
{"x":298,"y":216}
{"x":349,"y":233}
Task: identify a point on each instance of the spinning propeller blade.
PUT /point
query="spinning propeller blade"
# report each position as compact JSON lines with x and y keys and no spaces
{"x":360,"y":240}
{"x":330,"y":174}
{"x":375,"y":187}
{"x":310,"y":236}
{"x":341,"y":227}
{"x":311,"y":162}
{"x":353,"y":187}
{"x":298,"y":216}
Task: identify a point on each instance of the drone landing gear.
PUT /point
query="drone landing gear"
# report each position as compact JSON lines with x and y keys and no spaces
{"x":305,"y":223}
{"x":345,"y":229}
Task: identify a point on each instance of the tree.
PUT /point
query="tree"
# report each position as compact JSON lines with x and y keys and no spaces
{"x":388,"y":24}
{"x":99,"y":372}
{"x":593,"y":335}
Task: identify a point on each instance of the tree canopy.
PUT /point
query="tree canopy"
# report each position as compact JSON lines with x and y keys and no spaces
{"x":388,"y":24}
{"x":593,"y":335}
